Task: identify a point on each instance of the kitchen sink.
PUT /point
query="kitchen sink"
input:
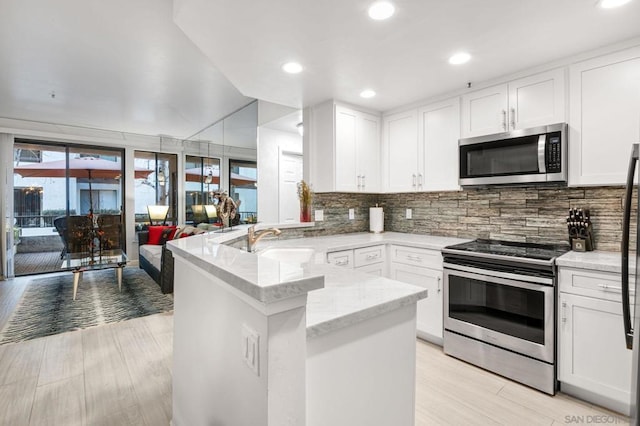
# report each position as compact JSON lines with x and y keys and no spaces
{"x":287,"y":254}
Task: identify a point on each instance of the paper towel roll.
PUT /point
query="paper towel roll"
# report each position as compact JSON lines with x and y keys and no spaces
{"x":376,"y":219}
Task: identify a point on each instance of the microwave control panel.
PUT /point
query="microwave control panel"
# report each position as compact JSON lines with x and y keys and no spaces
{"x":554,"y":153}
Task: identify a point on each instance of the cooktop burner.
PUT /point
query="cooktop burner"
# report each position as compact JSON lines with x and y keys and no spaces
{"x":512,"y":249}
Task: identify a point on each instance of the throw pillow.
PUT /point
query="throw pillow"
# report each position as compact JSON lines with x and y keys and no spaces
{"x":158,"y":235}
{"x":167,"y":234}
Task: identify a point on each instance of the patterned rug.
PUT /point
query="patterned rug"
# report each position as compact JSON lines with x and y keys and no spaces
{"x":47,"y":306}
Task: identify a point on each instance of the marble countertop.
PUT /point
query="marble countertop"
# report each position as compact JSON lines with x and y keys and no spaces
{"x":337,"y":297}
{"x":604,"y":261}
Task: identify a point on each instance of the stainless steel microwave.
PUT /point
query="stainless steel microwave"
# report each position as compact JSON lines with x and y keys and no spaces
{"x":536,"y":155}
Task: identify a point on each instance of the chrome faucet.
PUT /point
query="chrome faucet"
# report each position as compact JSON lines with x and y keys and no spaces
{"x":254,"y":236}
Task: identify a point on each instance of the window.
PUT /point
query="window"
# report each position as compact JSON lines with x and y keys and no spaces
{"x":25,"y":155}
{"x":27,"y":207}
{"x":158,"y":187}
{"x":202,"y":181}
{"x":243,"y":187}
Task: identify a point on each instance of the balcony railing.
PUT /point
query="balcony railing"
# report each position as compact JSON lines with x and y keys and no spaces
{"x":35,"y":221}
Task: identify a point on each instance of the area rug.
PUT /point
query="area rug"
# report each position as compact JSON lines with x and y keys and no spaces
{"x":47,"y":306}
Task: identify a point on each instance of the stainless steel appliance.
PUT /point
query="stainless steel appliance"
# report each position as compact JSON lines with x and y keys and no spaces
{"x":499,"y":308}
{"x":536,"y":155}
{"x":631,"y":325}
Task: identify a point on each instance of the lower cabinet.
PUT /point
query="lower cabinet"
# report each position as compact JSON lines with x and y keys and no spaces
{"x":429,"y":310}
{"x":417,"y":266}
{"x":593,"y":361}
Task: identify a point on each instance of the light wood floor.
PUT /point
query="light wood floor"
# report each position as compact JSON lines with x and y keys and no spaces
{"x":120,"y":374}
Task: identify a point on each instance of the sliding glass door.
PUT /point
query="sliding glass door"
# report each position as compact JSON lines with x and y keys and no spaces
{"x":53,"y":182}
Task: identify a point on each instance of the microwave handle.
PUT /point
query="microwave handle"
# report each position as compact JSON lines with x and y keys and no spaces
{"x":542,"y":147}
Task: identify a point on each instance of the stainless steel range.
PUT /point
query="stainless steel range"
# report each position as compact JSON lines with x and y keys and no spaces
{"x":499,"y":308}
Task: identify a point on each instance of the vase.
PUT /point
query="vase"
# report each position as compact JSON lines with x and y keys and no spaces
{"x":305,"y":212}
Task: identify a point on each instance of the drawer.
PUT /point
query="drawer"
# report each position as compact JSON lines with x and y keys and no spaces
{"x":368,"y":256}
{"x":416,"y":256}
{"x":602,"y":285}
{"x":342,"y":258}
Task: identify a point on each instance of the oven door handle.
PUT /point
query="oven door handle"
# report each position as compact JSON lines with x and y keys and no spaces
{"x":488,"y":274}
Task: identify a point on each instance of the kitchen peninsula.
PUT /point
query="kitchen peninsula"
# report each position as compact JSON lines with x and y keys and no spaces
{"x":267,"y":341}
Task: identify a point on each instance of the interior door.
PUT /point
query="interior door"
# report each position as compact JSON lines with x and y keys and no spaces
{"x":290,"y":174}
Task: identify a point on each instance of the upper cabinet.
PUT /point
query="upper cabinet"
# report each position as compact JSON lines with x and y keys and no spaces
{"x":421,"y":148}
{"x":344,"y":146}
{"x":605,"y":117}
{"x":401,"y":153}
{"x":438,"y":134}
{"x":527,"y":102}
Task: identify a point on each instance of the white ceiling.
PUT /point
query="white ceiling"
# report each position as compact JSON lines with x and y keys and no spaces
{"x":404,"y":59}
{"x":117,"y":64}
{"x":124,"y":65}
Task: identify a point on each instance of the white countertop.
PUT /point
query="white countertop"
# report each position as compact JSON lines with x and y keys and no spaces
{"x":605,"y":261}
{"x":348,"y":296}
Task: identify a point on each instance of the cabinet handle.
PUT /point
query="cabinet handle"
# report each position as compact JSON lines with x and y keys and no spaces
{"x":513,"y":118}
{"x":504,"y":119}
{"x":359,"y":184}
{"x":564,"y":312}
{"x":414,"y":180}
{"x":342,"y":262}
{"x":609,"y":287}
{"x":414,"y":258}
{"x":419,"y":180}
{"x":371,"y":256}
{"x":363,"y":181}
{"x":439,"y":280}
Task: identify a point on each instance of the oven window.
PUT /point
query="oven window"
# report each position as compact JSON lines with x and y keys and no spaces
{"x":509,"y":310}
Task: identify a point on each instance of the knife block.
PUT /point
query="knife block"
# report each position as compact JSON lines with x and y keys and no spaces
{"x":582,"y":244}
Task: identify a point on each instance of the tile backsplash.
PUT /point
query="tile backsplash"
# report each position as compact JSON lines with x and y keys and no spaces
{"x":531,"y":214}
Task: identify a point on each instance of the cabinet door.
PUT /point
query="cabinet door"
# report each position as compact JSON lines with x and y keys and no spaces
{"x":438,"y":133}
{"x":375,"y":269}
{"x":484,"y":111}
{"x":401,"y":151}
{"x":604,"y":117}
{"x":368,"y":152}
{"x":345,"y":152}
{"x":429,"y":310}
{"x":593,"y":353}
{"x":537,"y":100}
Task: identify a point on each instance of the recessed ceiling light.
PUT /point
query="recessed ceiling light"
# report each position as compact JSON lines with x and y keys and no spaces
{"x":381,"y":10}
{"x":459,"y":58}
{"x":610,"y":4}
{"x":292,"y":67}
{"x":368,"y":93}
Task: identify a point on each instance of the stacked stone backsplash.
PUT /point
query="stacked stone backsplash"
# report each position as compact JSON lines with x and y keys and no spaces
{"x":336,"y":207}
{"x":531,"y":214}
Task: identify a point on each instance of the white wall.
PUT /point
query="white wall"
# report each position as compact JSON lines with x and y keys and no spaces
{"x":270,"y":143}
{"x":6,"y":205}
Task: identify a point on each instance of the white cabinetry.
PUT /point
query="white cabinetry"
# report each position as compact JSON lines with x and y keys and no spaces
{"x":605,"y":117}
{"x":345,"y":149}
{"x":421,"y":148}
{"x":423,"y":268}
{"x":438,"y":134}
{"x":594,"y":363}
{"x":527,"y":102}
{"x":366,"y":259}
{"x":401,"y":152}
{"x":342,"y":258}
